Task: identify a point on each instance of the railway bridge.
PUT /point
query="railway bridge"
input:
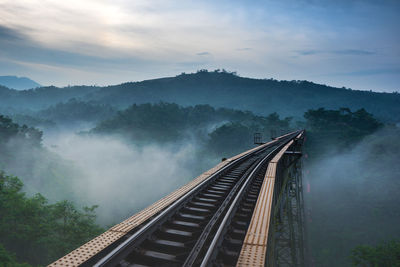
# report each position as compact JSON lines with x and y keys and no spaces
{"x":246,"y":211}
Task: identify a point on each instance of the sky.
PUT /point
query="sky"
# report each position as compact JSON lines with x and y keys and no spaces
{"x":350,"y":43}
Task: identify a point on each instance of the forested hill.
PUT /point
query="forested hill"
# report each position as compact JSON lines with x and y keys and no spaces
{"x":219,"y":89}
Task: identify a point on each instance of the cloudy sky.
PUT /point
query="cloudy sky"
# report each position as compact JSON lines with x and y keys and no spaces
{"x":351,"y":43}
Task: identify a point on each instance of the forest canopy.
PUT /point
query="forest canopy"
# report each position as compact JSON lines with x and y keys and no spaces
{"x":39,"y":232}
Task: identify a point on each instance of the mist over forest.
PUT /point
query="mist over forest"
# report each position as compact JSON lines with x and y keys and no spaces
{"x":89,"y":157}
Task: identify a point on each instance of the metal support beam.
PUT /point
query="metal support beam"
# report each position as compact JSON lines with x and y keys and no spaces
{"x":286,"y":244}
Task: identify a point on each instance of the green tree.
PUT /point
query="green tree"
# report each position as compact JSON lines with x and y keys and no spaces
{"x":167,"y":122}
{"x":385,"y":254}
{"x":9,"y":130}
{"x":8,"y":260}
{"x":230,"y":139}
{"x":38,"y":232}
{"x":338,"y":129}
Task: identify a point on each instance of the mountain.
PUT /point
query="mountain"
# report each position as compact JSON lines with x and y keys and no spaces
{"x":218,"y":89}
{"x":19,"y":83}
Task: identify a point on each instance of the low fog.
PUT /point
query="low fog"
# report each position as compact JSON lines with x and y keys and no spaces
{"x":105,"y":170}
{"x":348,"y":194}
{"x":123,"y":178}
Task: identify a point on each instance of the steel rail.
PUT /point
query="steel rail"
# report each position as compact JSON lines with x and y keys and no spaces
{"x":243,"y":185}
{"x":229,"y":213}
{"x":127,"y":242}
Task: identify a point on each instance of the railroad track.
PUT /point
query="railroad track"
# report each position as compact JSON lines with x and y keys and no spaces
{"x":204,"y":227}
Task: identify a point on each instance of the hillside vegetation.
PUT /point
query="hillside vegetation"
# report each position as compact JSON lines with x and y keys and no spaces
{"x":222,"y":131}
{"x":218,"y":89}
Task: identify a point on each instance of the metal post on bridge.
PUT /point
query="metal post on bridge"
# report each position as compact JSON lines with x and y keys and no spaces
{"x":273,"y":134}
{"x":258,"y":139}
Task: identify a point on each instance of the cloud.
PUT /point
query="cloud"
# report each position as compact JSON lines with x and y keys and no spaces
{"x":369,"y":72}
{"x":189,"y":64}
{"x":204,"y":54}
{"x":8,"y":34}
{"x":115,"y":42}
{"x":355,"y":52}
{"x":351,"y":52}
{"x":19,"y":51}
{"x":243,"y":49}
{"x":307,"y":52}
{"x":30,"y":51}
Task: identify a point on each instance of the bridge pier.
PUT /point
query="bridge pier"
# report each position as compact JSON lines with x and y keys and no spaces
{"x":286,"y":240}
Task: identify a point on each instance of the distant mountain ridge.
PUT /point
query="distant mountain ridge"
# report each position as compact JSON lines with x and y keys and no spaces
{"x":218,"y":89}
{"x":19,"y":83}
